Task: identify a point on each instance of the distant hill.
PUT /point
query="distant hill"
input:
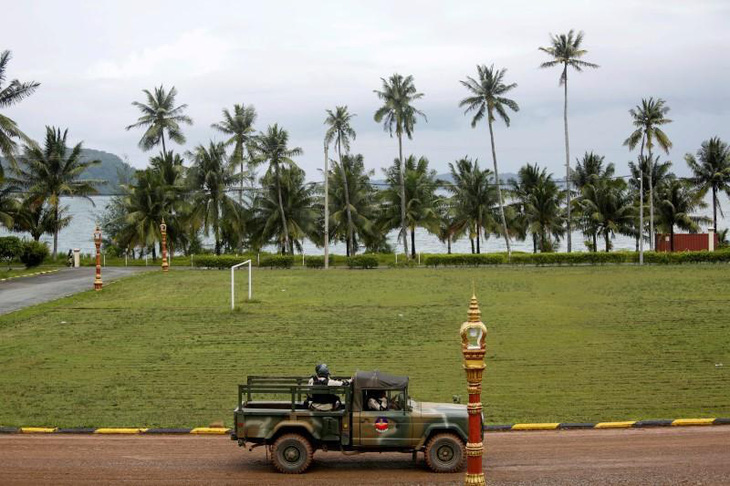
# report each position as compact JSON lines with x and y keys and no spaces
{"x":112,"y":169}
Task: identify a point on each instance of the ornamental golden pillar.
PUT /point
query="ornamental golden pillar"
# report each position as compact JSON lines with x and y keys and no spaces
{"x":97,"y":242}
{"x":163,"y":231}
{"x":473,"y":347}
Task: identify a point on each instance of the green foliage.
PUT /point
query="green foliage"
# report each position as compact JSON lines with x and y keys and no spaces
{"x":362,"y":261}
{"x":10,"y":248}
{"x":33,"y":253}
{"x":277,"y":261}
{"x":470,"y":260}
{"x":317,"y":262}
{"x":220,"y":261}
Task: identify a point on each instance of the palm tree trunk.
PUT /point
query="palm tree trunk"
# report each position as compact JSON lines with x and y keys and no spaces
{"x":281,"y":209}
{"x":162,"y":137}
{"x":413,"y":243}
{"x":499,"y":188}
{"x":651,"y":202}
{"x":640,"y":245}
{"x":714,"y":209}
{"x":404,"y":228}
{"x":448,"y":244}
{"x":567,"y":154}
{"x":608,"y":243}
{"x":534,"y":243}
{"x":472,"y":244}
{"x":350,"y":246}
{"x":479,"y":250}
{"x":595,"y":241}
{"x":55,"y":228}
{"x":671,"y":238}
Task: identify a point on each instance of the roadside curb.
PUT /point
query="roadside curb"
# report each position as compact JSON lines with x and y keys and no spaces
{"x":630,"y":424}
{"x":28,"y":275}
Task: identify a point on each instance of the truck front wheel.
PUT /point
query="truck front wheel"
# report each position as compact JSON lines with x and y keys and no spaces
{"x":292,"y":454}
{"x":445,"y":453}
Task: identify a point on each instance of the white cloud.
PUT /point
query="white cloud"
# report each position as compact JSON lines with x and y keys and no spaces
{"x":194,"y":53}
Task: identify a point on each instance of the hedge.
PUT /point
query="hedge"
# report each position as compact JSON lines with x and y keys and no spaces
{"x":277,"y":261}
{"x":362,"y":261}
{"x":470,"y":260}
{"x":219,"y":261}
{"x":317,"y":262}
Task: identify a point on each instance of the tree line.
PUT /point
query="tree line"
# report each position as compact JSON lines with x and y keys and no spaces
{"x":248,"y":192}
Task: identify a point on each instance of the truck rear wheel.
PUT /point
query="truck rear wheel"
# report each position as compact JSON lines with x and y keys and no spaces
{"x":445,"y":453}
{"x":292,"y":454}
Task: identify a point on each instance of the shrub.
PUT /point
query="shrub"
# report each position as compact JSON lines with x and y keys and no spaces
{"x":219,"y":261}
{"x":317,"y":262}
{"x":472,"y":260}
{"x":277,"y":261}
{"x":362,"y":261}
{"x":33,"y":253}
{"x":10,"y":248}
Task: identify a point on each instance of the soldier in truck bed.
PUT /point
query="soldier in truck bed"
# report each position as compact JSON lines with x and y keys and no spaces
{"x":324,"y":402}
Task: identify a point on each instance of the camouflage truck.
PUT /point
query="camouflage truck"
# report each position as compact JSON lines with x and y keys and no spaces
{"x":277,"y":413}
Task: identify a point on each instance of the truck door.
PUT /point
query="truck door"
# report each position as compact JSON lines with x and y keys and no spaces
{"x":388,"y":428}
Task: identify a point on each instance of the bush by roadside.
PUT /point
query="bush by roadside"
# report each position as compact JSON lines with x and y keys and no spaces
{"x":362,"y":261}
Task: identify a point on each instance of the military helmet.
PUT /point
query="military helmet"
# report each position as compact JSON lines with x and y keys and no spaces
{"x":322,"y":370}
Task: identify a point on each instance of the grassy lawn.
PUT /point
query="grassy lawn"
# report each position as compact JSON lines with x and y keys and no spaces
{"x":17,"y":271}
{"x":564,"y":344}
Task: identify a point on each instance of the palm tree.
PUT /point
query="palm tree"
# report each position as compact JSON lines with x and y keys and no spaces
{"x":272,"y":147}
{"x":712,"y":172}
{"x":422,"y":209}
{"x":210,"y":177}
{"x":646,"y":173}
{"x":240,"y":128}
{"x":357,"y":195}
{"x":487,"y":98}
{"x":523,"y":189}
{"x":39,"y":219}
{"x":676,"y":200}
{"x":340,"y":131}
{"x":565,"y":50}
{"x":586,"y":171}
{"x":607,"y":207}
{"x":473,"y":199}
{"x":648,"y":117}
{"x":53,"y":172}
{"x":10,"y":95}
{"x":145,"y":206}
{"x":160,"y":115}
{"x":544,"y":214}
{"x":399,"y":114}
{"x":299,"y":217}
{"x":8,"y":203}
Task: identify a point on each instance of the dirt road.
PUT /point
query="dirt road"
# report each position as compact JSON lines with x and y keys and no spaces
{"x":696,"y":456}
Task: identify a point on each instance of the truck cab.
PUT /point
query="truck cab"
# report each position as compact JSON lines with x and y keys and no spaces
{"x":281,"y":413}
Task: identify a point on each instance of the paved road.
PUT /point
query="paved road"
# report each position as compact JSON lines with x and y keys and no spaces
{"x":26,"y":291}
{"x":694,"y":455}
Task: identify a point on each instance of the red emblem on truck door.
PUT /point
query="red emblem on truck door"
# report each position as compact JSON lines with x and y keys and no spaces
{"x":381,"y":424}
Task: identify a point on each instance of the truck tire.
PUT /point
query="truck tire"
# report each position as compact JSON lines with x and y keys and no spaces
{"x":445,"y":453}
{"x":291,"y":454}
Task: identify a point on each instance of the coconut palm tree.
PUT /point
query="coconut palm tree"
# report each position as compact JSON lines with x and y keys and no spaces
{"x":565,"y":50}
{"x":648,"y":118}
{"x":272,"y":147}
{"x":422,"y":209}
{"x":47,"y":174}
{"x":586,"y":171}
{"x":11,"y":94}
{"x":359,"y":223}
{"x":643,"y":174}
{"x":239,"y":127}
{"x":300,"y":214}
{"x":160,"y":115}
{"x":676,"y":200}
{"x":210,"y":176}
{"x":711,"y":171}
{"x":39,"y":219}
{"x":145,"y":206}
{"x":473,"y":199}
{"x":487,"y":97}
{"x":341,"y":133}
{"x":8,"y":203}
{"x":528,"y":178}
{"x":607,"y":207}
{"x":398,"y":113}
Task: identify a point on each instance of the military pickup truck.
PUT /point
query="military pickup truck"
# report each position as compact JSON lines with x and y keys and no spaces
{"x":278,"y":413}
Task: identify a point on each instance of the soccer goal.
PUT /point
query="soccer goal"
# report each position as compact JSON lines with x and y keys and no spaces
{"x":233,"y":282}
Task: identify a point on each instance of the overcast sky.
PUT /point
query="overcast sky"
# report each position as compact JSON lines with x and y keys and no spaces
{"x":292,"y":60}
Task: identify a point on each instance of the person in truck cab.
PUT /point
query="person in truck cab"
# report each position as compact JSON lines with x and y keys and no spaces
{"x":324,"y":402}
{"x":378,"y":401}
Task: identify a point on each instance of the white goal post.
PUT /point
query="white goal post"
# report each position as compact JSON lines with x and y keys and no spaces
{"x":233,"y":287}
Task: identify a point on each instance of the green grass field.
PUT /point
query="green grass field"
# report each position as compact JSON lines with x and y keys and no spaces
{"x":18,"y":271}
{"x":564,"y":344}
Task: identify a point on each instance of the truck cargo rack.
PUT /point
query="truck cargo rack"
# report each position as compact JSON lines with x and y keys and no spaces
{"x":297,"y":388}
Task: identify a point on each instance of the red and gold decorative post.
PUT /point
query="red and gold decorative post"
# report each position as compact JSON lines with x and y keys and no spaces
{"x":473,"y":338}
{"x":163,"y":230}
{"x":97,"y":241}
